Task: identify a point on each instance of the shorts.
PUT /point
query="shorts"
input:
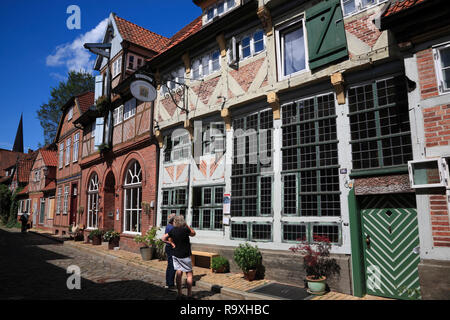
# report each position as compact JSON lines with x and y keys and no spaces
{"x":182,"y":264}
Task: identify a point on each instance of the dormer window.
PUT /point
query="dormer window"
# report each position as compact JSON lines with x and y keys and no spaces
{"x":218,"y":9}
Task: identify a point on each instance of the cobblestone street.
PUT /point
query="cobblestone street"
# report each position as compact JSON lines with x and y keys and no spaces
{"x":34,"y":267}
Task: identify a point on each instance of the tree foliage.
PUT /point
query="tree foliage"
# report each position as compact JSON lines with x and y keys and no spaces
{"x":49,"y":113}
{"x":5,"y":203}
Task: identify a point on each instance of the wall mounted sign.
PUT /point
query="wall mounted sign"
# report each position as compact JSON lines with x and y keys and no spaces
{"x":226,"y":203}
{"x":143,"y":90}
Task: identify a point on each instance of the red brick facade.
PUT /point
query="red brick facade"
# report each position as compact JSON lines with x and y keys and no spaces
{"x":437,"y":125}
{"x":427,"y":74}
{"x":439,"y":221}
{"x":364,"y":29}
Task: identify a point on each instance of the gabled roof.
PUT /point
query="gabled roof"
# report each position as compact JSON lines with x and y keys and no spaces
{"x":49,"y":157}
{"x":140,"y":36}
{"x":85,"y":101}
{"x":401,"y":5}
{"x":186,"y":32}
{"x":24,"y":168}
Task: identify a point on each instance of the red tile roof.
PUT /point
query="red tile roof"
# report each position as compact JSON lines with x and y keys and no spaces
{"x":24,"y":191}
{"x":85,"y":101}
{"x":141,"y":36}
{"x":401,"y":5}
{"x":7,"y":159}
{"x":49,"y":157}
{"x":50,"y":186}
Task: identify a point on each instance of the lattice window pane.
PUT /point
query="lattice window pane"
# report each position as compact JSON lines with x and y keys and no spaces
{"x":218,"y":219}
{"x":266,"y":196}
{"x":206,"y":219}
{"x":261,"y":232}
{"x":196,"y":218}
{"x":239,"y":231}
{"x":330,"y":205}
{"x":309,"y":205}
{"x":290,"y":195}
{"x":218,"y":195}
{"x":294,"y":232}
{"x":331,"y":232}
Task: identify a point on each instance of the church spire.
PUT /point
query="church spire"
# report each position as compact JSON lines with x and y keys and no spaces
{"x":18,"y":142}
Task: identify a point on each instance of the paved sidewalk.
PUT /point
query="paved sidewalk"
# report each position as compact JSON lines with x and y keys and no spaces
{"x":232,"y":284}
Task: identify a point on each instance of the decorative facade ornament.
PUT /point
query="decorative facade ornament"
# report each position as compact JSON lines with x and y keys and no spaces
{"x":274,"y":102}
{"x":337,"y":80}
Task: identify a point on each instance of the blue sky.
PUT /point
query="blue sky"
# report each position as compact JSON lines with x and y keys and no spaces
{"x":38,"y":49}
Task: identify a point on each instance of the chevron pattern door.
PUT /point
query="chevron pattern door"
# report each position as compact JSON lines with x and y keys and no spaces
{"x":391,"y":241}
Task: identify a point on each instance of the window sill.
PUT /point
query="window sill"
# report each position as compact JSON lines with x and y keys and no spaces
{"x":292,"y":75}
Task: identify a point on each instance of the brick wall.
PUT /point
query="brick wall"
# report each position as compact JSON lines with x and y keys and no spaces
{"x":427,"y":74}
{"x":364,"y":29}
{"x":116,"y":166}
{"x":437,"y":125}
{"x":439,"y":221}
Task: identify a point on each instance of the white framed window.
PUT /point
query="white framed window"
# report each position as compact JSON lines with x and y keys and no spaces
{"x":175,"y":79}
{"x":92,"y":213}
{"x":68,"y":145}
{"x":66,"y":199}
{"x":248,"y":45}
{"x":442,"y":66}
{"x":350,"y":7}
{"x":292,"y":52}
{"x":58,"y":200}
{"x":218,"y":9}
{"x":61,"y":155}
{"x":177,"y":146}
{"x":129,"y":109}
{"x":133,"y":198}
{"x":134,"y":61}
{"x":70,"y":114}
{"x":37,"y":176}
{"x":118,"y":115}
{"x":117,"y":67}
{"x":206,"y":64}
{"x":76,"y":146}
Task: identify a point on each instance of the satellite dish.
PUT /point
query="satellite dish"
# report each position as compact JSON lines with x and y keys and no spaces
{"x":143,"y":90}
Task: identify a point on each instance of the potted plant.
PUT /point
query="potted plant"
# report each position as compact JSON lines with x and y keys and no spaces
{"x":96,"y":237}
{"x":160,"y":250}
{"x":317,"y":263}
{"x":220,"y":264}
{"x":248,"y":258}
{"x":149,"y":240}
{"x":112,"y":237}
{"x":103,"y":104}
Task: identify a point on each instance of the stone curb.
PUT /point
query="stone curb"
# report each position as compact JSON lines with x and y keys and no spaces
{"x":238,"y":294}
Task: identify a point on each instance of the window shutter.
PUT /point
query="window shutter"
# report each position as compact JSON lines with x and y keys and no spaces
{"x":98,"y":87}
{"x":326,"y":34}
{"x":98,"y":132}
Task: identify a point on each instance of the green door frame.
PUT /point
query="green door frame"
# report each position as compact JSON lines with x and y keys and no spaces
{"x":357,"y":251}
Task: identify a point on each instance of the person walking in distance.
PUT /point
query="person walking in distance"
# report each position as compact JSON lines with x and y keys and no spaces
{"x":170,"y":271}
{"x":24,"y":221}
{"x":178,"y":238}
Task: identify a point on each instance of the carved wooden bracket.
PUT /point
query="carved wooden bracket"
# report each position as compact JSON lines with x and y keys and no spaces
{"x":189,"y":127}
{"x":266,"y":19}
{"x":159,"y":138}
{"x":337,"y":80}
{"x":225,"y":113}
{"x":187,"y":62}
{"x":274,"y":102}
{"x":222,"y":44}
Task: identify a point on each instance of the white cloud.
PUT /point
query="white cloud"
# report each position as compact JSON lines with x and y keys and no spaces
{"x":73,"y":55}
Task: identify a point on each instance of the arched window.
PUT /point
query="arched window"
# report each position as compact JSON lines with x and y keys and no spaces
{"x":92,"y":212}
{"x":133,"y":198}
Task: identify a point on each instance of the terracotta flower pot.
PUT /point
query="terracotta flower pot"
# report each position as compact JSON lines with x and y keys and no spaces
{"x":250,"y":275}
{"x":317,"y":286}
{"x":96,"y":240}
{"x":113,"y":243}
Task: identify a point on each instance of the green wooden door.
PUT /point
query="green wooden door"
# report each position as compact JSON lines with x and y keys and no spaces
{"x":391,"y":241}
